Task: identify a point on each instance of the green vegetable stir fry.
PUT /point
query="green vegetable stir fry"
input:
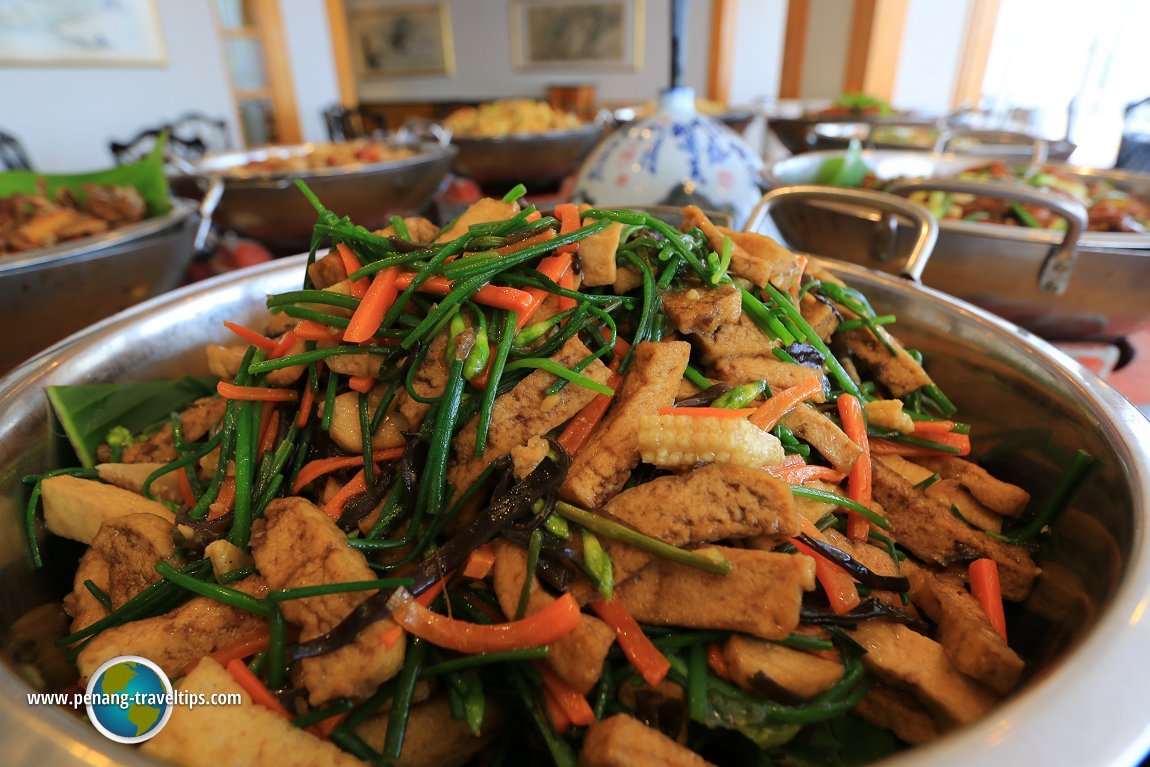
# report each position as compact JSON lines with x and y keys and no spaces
{"x":579,"y":487}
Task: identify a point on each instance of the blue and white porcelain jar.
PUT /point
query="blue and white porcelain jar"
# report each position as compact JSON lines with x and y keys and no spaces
{"x":674,"y":157}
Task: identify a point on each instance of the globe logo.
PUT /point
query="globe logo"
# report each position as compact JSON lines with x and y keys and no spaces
{"x":129,"y":699}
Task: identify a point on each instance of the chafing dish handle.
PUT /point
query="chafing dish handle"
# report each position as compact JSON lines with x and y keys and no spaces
{"x":1040,"y":149}
{"x":867,"y":198}
{"x":207,"y":207}
{"x":1058,"y":268}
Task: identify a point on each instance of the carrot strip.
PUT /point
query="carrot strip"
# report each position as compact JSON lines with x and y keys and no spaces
{"x":304,"y":407}
{"x":244,"y":648}
{"x":836,"y":582}
{"x":550,"y":624}
{"x":708,"y":412}
{"x":480,"y":562}
{"x":324,"y":727}
{"x":890,"y":447}
{"x":512,"y":299}
{"x":186,"y":493}
{"x":357,"y":485}
{"x":255,"y":393}
{"x":267,"y":433}
{"x":351,"y":264}
{"x":579,"y":428}
{"x":376,"y":301}
{"x":555,"y":712}
{"x":255,"y":688}
{"x":286,"y":342}
{"x":984,"y":585}
{"x":718,"y":662}
{"x":526,"y":242}
{"x":769,"y":413}
{"x":310,"y":330}
{"x":552,"y":267}
{"x":651,"y":664}
{"x":798,"y":474}
{"x":313,"y":470}
{"x":224,"y":501}
{"x":568,"y":282}
{"x":568,"y":216}
{"x":859,"y":479}
{"x":251,"y":336}
{"x":391,"y":636}
{"x":932,"y":427}
{"x":535,"y":215}
{"x":574,"y":705}
{"x":802,"y":262}
{"x":361,"y":384}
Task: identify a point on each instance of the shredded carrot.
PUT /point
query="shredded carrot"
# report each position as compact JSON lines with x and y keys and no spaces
{"x":555,"y":712}
{"x":984,"y":585}
{"x":480,"y":562}
{"x":255,"y":688}
{"x":932,"y":427}
{"x":267,"y":429}
{"x":186,"y":493}
{"x":836,"y":582}
{"x":255,"y":393}
{"x":376,"y":301}
{"x":512,"y":299}
{"x":569,"y":282}
{"x":651,"y":664}
{"x":224,"y":501}
{"x":859,"y":479}
{"x":568,"y":216}
{"x":313,"y":470}
{"x":357,"y":485}
{"x":798,"y":474}
{"x":552,"y":267}
{"x":351,"y":264}
{"x":534,"y":215}
{"x":244,"y":648}
{"x":718,"y":662}
{"x":391,"y":636}
{"x":310,"y":330}
{"x":305,"y":407}
{"x":286,"y":342}
{"x":550,"y":624}
{"x":574,"y":705}
{"x":579,"y":428}
{"x":783,"y":402}
{"x":708,"y":412}
{"x":891,"y":447}
{"x":251,"y":336}
{"x":527,"y":242}
{"x":361,"y":384}
{"x":324,"y":727}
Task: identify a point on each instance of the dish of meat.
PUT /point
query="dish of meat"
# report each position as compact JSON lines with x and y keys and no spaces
{"x":34,"y":221}
{"x":527,"y":434}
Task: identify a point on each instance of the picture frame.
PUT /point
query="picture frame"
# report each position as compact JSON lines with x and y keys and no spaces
{"x":82,"y":33}
{"x":577,"y":34}
{"x":402,"y":41}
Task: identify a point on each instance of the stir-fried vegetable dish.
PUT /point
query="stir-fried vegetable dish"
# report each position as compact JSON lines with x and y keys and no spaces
{"x":1108,"y":208}
{"x":343,"y":154}
{"x":576,"y":487}
{"x":509,"y":117}
{"x":33,"y":221}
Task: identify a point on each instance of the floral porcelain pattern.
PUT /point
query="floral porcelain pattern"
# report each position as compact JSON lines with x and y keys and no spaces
{"x":674,"y":157}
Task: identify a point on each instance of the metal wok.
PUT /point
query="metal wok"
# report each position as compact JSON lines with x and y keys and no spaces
{"x":1083,"y":628}
{"x":49,"y":293}
{"x":269,"y":208}
{"x":1062,"y":285}
{"x":540,"y":161}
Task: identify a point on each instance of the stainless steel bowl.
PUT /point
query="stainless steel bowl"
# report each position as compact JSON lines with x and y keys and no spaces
{"x":1060,"y":285}
{"x":539,"y":160}
{"x":269,"y":208}
{"x":1085,"y":627}
{"x":49,"y":293}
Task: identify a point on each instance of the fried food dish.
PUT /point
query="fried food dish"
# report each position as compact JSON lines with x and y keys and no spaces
{"x":30,"y":222}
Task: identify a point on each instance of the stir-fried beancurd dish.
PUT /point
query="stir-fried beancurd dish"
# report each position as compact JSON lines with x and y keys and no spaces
{"x":571,"y":487}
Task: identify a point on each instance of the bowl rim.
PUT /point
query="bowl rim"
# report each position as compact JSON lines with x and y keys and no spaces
{"x":1048,"y":722}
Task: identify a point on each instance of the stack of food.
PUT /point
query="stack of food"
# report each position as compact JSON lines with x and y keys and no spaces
{"x":509,"y":117}
{"x":33,"y":221}
{"x":347,"y":154}
{"x":575,"y":487}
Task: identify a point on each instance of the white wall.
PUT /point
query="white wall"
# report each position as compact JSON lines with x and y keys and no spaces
{"x":760,"y":34}
{"x":66,"y":116}
{"x":312,"y":63}
{"x":484,"y":69}
{"x":825,"y":55}
{"x":931,"y":55}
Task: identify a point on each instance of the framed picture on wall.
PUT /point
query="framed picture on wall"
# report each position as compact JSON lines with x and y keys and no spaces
{"x":81,"y":33}
{"x":569,"y":34}
{"x":402,"y":41}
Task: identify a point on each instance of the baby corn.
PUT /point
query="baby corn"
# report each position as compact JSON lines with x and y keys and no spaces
{"x":672,"y":441}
